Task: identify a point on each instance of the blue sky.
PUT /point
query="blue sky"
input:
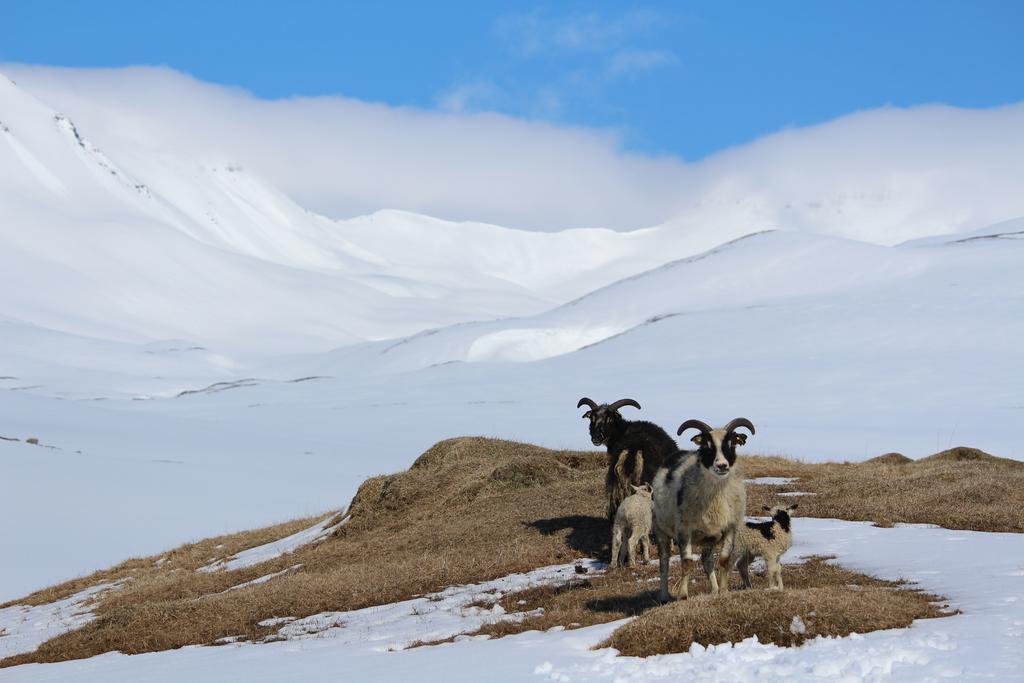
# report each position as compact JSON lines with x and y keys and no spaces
{"x":684,"y":79}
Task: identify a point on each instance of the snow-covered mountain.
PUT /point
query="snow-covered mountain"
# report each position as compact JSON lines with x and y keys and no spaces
{"x":195,"y":345}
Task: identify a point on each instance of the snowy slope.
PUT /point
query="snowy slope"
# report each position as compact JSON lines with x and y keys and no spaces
{"x":908,"y":348}
{"x":181,"y":331}
{"x":189,"y":249}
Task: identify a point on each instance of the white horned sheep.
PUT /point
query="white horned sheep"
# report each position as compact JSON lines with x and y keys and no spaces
{"x":700,"y":500}
{"x":768,"y":540}
{"x":632,"y":527}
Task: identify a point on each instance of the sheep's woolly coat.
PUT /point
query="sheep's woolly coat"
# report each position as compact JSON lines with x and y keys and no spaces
{"x":696,"y":507}
{"x":769,"y":540}
{"x":633,"y":522}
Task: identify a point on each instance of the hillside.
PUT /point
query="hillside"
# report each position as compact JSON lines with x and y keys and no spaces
{"x":170,"y":318}
{"x":471,"y":511}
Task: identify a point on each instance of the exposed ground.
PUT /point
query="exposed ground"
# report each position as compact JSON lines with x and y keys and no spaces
{"x":475,"y":509}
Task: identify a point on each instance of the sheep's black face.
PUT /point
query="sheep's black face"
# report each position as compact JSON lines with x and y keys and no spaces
{"x":604,"y":425}
{"x":780,"y":515}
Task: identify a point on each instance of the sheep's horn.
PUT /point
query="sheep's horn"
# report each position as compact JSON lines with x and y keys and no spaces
{"x":622,"y":402}
{"x":740,"y":422}
{"x":586,"y":401}
{"x":696,"y":424}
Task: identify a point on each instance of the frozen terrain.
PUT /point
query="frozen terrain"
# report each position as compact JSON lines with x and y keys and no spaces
{"x":982,"y":643}
{"x":197,"y":353}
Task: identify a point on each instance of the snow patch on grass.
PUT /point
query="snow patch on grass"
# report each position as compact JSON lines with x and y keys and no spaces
{"x":771,"y":481}
{"x":23,"y":628}
{"x":436,"y":616}
{"x":269,"y":551}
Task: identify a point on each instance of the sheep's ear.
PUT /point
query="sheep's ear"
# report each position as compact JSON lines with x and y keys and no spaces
{"x":636,"y":489}
{"x":766,"y":508}
{"x":740,"y":438}
{"x":698,"y":439}
{"x":586,"y":415}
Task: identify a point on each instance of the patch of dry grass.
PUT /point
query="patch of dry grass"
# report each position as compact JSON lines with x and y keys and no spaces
{"x":961,"y":488}
{"x":475,"y":509}
{"x":467,"y":510}
{"x":824,"y":611}
{"x":632,"y":592}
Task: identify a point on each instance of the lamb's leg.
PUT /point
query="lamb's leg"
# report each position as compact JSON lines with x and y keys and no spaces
{"x":631,"y":548}
{"x":664,"y":550}
{"x":616,"y":545}
{"x":774,"y":573}
{"x":645,"y":547}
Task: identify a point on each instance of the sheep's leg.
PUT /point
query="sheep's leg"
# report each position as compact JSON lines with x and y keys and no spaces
{"x":683,"y":587}
{"x":616,"y":545}
{"x":638,"y":468}
{"x":725,"y":560}
{"x":664,"y":552}
{"x":707,"y":561}
{"x":645,"y":547}
{"x":744,"y":567}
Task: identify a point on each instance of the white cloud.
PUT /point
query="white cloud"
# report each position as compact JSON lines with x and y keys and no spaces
{"x":467,"y":97}
{"x":631,"y":62}
{"x":532,"y":33}
{"x":889,"y":171}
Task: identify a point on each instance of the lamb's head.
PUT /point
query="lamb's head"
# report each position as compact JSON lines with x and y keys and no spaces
{"x":779,"y":514}
{"x":605,"y":421}
{"x":717,"y":447}
{"x":642,"y":490}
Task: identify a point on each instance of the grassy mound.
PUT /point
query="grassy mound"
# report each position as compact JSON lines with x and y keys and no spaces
{"x":782,"y":617}
{"x":962,"y":488}
{"x":889,"y":459}
{"x":468,"y":510}
{"x":838,"y":598}
{"x":475,"y":509}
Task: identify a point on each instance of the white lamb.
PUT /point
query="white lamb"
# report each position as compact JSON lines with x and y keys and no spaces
{"x":632,"y":525}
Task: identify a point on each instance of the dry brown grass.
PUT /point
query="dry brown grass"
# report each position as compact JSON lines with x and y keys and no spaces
{"x":411,"y":533}
{"x":961,"y":488}
{"x":435,"y":525}
{"x":632,"y":592}
{"x":825,"y":611}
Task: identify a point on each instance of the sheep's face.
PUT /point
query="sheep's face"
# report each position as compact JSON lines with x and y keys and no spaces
{"x":780,"y":515}
{"x":717,"y":450}
{"x":605,"y":423}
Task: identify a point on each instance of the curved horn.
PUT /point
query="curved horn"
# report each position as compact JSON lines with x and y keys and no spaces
{"x":586,"y":401}
{"x":740,"y":422}
{"x":622,"y":402}
{"x":696,"y":424}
